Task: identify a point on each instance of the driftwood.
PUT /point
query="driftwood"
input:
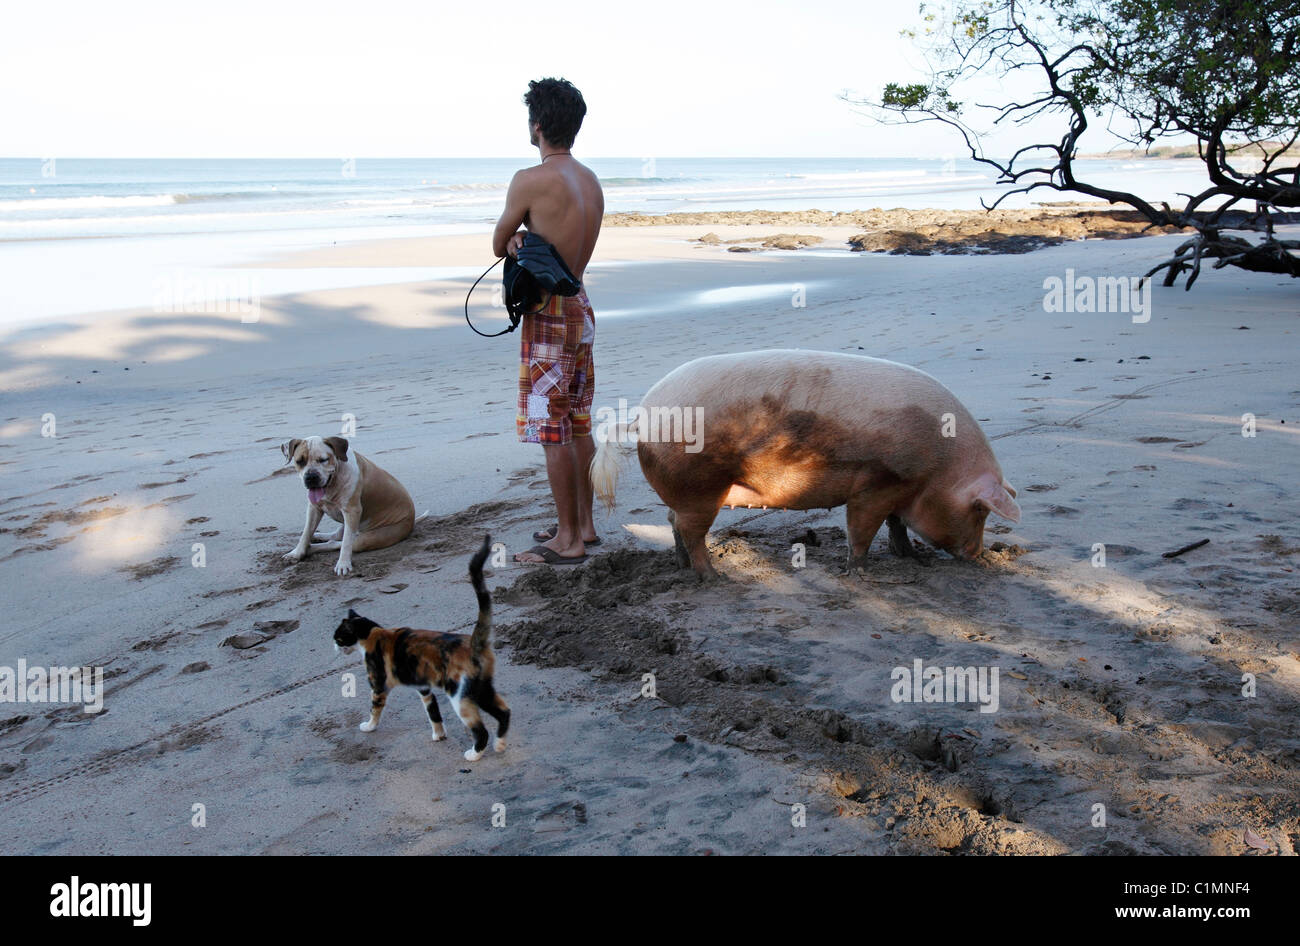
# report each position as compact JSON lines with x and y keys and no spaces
{"x":1268,"y":256}
{"x":1186,"y":548}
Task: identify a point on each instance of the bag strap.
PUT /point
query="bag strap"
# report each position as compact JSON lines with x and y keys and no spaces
{"x":514,"y":319}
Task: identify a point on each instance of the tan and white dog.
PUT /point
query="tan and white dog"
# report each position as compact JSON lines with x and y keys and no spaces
{"x":375,"y":509}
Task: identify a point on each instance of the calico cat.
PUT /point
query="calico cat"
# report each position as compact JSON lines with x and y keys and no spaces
{"x":462,"y":666}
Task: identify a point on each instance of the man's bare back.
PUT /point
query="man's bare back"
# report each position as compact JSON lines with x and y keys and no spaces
{"x":560,"y":200}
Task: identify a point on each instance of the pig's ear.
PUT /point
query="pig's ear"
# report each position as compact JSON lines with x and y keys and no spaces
{"x":996,"y":497}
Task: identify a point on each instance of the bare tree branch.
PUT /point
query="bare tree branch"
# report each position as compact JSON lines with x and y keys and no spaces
{"x":1220,"y":71}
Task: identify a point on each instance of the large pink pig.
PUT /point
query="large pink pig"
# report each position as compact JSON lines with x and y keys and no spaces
{"x":811,"y":430}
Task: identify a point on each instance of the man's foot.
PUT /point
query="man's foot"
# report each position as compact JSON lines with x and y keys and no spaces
{"x":541,"y":555}
{"x":545,"y":535}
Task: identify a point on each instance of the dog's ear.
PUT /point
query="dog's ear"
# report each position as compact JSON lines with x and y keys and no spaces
{"x":289,"y":448}
{"x":352,"y":614}
{"x":339,"y":445}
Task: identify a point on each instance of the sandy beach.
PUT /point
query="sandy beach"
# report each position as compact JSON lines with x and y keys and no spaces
{"x":146,"y":534}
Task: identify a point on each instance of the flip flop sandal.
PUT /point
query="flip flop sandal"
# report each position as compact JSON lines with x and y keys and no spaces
{"x":552,"y":557}
{"x":544,"y":536}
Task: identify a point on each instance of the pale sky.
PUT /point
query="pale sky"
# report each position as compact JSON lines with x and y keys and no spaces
{"x":400,"y":78}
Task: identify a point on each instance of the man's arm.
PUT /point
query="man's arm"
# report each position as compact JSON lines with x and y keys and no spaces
{"x":512,"y":218}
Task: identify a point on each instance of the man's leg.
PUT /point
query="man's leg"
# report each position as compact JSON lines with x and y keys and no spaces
{"x":565,"y":468}
{"x":584,"y":449}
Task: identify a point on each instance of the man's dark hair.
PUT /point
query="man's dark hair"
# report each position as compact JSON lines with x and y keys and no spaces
{"x":557,"y":107}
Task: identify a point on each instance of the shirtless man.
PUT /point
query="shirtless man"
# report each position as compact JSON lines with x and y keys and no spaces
{"x":559,"y":200}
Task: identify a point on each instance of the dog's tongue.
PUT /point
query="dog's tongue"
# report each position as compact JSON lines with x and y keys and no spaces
{"x":314,"y":496}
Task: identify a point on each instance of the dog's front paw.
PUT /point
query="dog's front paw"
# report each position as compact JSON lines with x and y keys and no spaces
{"x":439,"y":734}
{"x":499,"y":745}
{"x":472,"y":755}
{"x":297,"y":555}
{"x":368,"y":726}
{"x":343,"y":568}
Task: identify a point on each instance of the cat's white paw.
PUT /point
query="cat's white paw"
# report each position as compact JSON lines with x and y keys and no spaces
{"x":499,"y":745}
{"x":439,"y":734}
{"x":472,"y":755}
{"x":368,"y":726}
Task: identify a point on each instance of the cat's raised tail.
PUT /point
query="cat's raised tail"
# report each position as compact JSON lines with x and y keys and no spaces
{"x":478,"y":641}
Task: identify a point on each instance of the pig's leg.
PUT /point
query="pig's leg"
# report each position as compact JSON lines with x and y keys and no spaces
{"x":683,"y":556}
{"x":865,"y":515}
{"x":691,"y":527}
{"x":899,"y":543}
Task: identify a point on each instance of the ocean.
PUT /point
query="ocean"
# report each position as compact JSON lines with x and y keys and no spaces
{"x":80,"y":234}
{"x":74,"y":197}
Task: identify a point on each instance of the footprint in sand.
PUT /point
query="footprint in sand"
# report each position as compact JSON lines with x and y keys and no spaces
{"x":1122,"y":551}
{"x":350,"y":754}
{"x":561,"y":817}
{"x":37,"y":744}
{"x":227,"y":591}
{"x":263,"y":632}
{"x":154,"y":643}
{"x":274,"y":629}
{"x":1067,"y":511}
{"x":149,"y":569}
{"x":282,"y":471}
{"x":170,"y":500}
{"x":13,"y":722}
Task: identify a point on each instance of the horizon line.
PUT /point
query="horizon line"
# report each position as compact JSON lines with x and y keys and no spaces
{"x":474,"y":157}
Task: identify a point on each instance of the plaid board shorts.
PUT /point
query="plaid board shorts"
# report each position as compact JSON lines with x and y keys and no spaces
{"x":557,"y":377}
